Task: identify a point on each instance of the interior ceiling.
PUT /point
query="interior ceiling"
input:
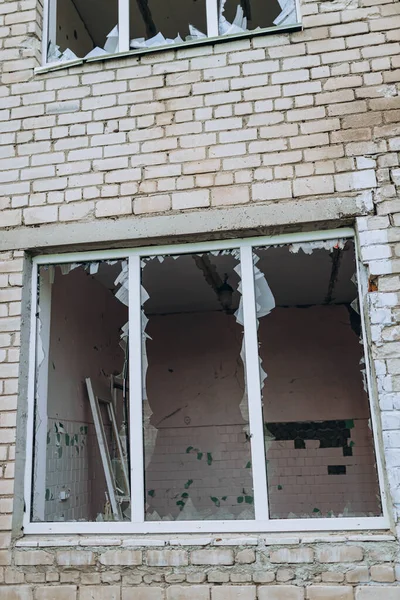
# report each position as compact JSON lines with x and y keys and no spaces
{"x":178,"y":285}
{"x":302,"y":279}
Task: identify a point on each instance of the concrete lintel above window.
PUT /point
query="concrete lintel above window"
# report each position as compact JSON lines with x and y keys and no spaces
{"x":194,"y":225}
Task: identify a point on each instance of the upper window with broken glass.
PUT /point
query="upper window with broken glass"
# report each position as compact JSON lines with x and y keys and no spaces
{"x":217,"y":387}
{"x":85,"y":29}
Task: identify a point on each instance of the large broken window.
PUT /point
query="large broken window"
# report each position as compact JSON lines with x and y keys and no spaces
{"x":80,"y":29}
{"x":211,"y":387}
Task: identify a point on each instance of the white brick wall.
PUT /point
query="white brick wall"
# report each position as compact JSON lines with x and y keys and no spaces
{"x":266,"y":120}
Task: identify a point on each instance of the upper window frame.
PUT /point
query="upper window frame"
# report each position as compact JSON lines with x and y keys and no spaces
{"x":124,"y":49}
{"x":262,"y":522}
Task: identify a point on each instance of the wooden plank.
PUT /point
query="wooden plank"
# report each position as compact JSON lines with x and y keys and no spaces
{"x":103,"y":447}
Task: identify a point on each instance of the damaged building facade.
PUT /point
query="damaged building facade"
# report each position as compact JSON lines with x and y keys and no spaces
{"x":199,"y":300}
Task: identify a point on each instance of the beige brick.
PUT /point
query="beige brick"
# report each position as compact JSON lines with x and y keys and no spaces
{"x":317,"y":592}
{"x":76,"y":211}
{"x":5,"y":555}
{"x":212,"y":557}
{"x":100,"y":592}
{"x":40,"y":214}
{"x":13,"y":577}
{"x":122,"y":558}
{"x":192,"y":199}
{"x":339,"y":554}
{"x":308,"y":186}
{"x":114,"y":207}
{"x":166,"y":558}
{"x":75,"y":558}
{"x":229,"y":195}
{"x":292,"y":555}
{"x":151,"y":204}
{"x":246,"y":556}
{"x":383,"y":573}
{"x":20,"y":592}
{"x":280,"y":592}
{"x":332,"y":577}
{"x":357,"y":575}
{"x":273,"y":190}
{"x":143,"y":593}
{"x":33,"y":557}
{"x":233,"y":592}
{"x":190,"y":592}
{"x":263,"y":576}
{"x":59,"y":592}
{"x":377,"y":593}
{"x":218,"y":576}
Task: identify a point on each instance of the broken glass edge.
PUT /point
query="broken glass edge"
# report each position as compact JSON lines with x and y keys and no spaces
{"x":278,"y":29}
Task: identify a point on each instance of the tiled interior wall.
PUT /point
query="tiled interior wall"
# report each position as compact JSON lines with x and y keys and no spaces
{"x":300,"y":485}
{"x":213,"y":474}
{"x":73,"y":464}
{"x":67,"y":469}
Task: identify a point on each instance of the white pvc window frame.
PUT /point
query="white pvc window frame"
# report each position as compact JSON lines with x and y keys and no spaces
{"x":50,"y":29}
{"x":261,"y":522}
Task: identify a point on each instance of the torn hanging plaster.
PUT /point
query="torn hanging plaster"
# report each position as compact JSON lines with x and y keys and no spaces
{"x":156,"y":40}
{"x":239,"y":24}
{"x":67,"y":268}
{"x":55,"y":55}
{"x":40,"y":354}
{"x":265,"y":302}
{"x":122,"y":294}
{"x":309,"y":247}
{"x":288,"y":16}
{"x":364,"y":374}
{"x":149,"y":431}
{"x":355,"y":305}
{"x":93,"y":268}
{"x":111,"y":45}
{"x":195,"y":34}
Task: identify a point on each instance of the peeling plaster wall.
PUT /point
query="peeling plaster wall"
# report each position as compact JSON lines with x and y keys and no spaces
{"x":312,"y":358}
{"x":84,"y":342}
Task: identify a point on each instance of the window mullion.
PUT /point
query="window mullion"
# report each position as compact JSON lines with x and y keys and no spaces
{"x":135,"y":392}
{"x":123,"y":25}
{"x":253,"y":386}
{"x":212,"y":18}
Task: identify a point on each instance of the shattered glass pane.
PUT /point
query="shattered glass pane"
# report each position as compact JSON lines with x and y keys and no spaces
{"x":318,"y":439}
{"x":196,"y":435}
{"x":81,"y":406}
{"x":237,"y":16}
{"x":155,"y":23}
{"x":82,"y":29}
